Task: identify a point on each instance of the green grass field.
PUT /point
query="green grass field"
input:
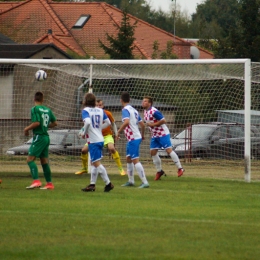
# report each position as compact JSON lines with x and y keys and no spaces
{"x":176,"y":218}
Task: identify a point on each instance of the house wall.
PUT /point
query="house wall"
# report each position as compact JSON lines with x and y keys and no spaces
{"x":182,"y":50}
{"x":59,"y":90}
{"x":49,"y":53}
{"x":6,"y":90}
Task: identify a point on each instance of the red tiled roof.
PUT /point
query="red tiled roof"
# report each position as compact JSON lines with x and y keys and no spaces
{"x":7,"y":5}
{"x":29,"y":22}
{"x":65,"y":43}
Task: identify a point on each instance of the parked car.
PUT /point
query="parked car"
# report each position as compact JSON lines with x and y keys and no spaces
{"x":62,"y":142}
{"x":214,"y":140}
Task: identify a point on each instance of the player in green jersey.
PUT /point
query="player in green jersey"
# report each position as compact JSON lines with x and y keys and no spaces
{"x":42,"y":118}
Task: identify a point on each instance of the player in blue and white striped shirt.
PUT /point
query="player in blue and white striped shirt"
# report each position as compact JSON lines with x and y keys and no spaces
{"x":95,"y":119}
{"x":160,"y":137}
{"x":131,"y":119}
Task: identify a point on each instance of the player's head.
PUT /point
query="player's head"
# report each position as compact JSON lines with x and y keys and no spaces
{"x":89,"y":100}
{"x":125,"y":97}
{"x":99,"y":103}
{"x":147,"y":102}
{"x":38,"y":97}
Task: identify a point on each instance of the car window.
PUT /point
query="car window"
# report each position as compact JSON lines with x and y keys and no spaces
{"x":221,"y":132}
{"x":236,"y":132}
{"x":72,"y":139}
{"x":56,"y":138}
{"x":199,"y":132}
{"x":255,"y":132}
{"x":241,"y":132}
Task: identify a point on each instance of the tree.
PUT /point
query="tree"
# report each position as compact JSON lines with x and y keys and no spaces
{"x":155,"y":50}
{"x":215,"y":18}
{"x":249,"y":31}
{"x":212,"y":23}
{"x":121,"y":46}
{"x":243,"y":38}
{"x":168,"y":54}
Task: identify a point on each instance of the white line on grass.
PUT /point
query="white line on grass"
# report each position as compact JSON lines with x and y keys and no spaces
{"x":132,"y":217}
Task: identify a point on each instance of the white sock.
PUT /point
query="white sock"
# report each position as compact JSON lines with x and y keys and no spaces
{"x":175,"y":159}
{"x":94,"y":175}
{"x":103,"y":173}
{"x":130,"y":172}
{"x":140,"y":170}
{"x":157,"y":162}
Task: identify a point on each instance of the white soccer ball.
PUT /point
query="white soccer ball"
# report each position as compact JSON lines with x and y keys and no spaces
{"x":40,"y":75}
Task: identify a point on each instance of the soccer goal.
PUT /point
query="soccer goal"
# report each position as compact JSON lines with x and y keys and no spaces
{"x":212,"y":116}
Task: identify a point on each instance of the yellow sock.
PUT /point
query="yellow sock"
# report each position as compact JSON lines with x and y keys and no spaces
{"x":84,"y":159}
{"x":116,"y":157}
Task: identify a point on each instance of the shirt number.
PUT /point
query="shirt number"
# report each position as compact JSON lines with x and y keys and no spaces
{"x":45,"y":118}
{"x":95,"y":121}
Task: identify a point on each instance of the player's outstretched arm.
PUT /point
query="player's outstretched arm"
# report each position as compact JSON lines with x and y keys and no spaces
{"x":114,"y":127}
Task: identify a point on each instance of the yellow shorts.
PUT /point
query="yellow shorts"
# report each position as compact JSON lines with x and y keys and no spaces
{"x":108,"y":139}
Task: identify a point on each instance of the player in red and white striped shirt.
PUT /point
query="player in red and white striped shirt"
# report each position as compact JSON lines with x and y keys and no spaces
{"x":131,"y":119}
{"x":160,"y":137}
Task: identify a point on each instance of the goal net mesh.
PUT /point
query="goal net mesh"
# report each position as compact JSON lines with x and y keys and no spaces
{"x":205,"y":100}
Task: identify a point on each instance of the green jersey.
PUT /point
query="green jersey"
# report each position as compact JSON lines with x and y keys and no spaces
{"x":43,"y":115}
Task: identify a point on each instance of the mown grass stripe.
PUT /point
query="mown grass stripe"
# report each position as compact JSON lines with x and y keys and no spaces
{"x":132,"y":217}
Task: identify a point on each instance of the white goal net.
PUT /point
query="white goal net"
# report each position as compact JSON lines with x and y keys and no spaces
{"x":212,"y":116}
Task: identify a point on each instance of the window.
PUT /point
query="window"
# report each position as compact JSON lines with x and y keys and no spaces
{"x":56,"y":138}
{"x":81,"y":21}
{"x":222,"y":132}
{"x":71,"y":139}
{"x":236,"y":132}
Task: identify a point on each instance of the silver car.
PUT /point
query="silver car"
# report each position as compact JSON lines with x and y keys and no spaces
{"x":214,"y":140}
{"x":62,"y":142}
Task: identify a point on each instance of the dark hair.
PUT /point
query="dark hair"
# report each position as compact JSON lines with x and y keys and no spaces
{"x":38,"y":97}
{"x":99,"y":100}
{"x":89,"y":100}
{"x":125,"y":97}
{"x":150,"y":99}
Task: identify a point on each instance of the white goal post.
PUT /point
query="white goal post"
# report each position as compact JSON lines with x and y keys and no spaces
{"x":184,"y":90}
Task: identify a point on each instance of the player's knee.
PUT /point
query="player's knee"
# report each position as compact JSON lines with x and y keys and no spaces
{"x":84,"y":151}
{"x":169,"y":150}
{"x":44,"y":160}
{"x":112,"y":150}
{"x":153,"y":152}
{"x":30,"y":159}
